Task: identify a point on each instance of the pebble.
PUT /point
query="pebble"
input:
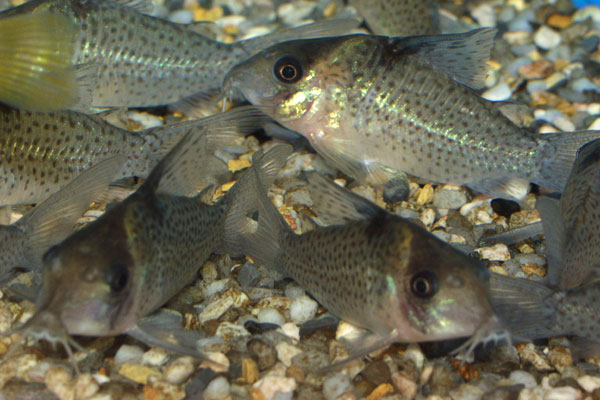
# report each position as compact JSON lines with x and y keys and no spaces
{"x":530,"y":353}
{"x":222,"y":302}
{"x":449,"y":198}
{"x":270,"y":316}
{"x":155,"y":357}
{"x":500,"y":92}
{"x":275,"y":387}
{"x":138,"y":373}
{"x":303,"y":309}
{"x":546,"y":38}
{"x":85,"y":386}
{"x":286,"y":351}
{"x":589,"y":383}
{"x":129,"y":354}
{"x":336,"y":385}
{"x":497,"y":252}
{"x":536,"y":70}
{"x":217,"y":389}
{"x":179,"y":370}
{"x":524,"y":378}
{"x":265,"y":353}
{"x":59,"y":382}
{"x":292,"y":13}
{"x":484,"y":14}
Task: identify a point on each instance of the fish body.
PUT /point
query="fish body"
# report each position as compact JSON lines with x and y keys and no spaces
{"x":399,"y":17}
{"x":23,"y":243}
{"x":371,"y":104}
{"x":41,"y":152}
{"x":104,"y":278}
{"x":145,"y":61}
{"x":571,"y":223}
{"x":374,"y":269}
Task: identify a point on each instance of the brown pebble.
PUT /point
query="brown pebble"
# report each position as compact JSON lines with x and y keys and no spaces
{"x":265,"y":354}
{"x":534,"y":269}
{"x":295,"y":372}
{"x":560,"y":357}
{"x":560,"y":21}
{"x":536,"y":70}
{"x":377,"y":373}
{"x":249,"y":370}
{"x":380,"y":391}
{"x":211,"y":326}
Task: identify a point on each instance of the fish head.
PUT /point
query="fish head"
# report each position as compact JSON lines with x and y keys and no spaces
{"x":87,"y":281}
{"x":439,"y":292}
{"x":298,"y":81}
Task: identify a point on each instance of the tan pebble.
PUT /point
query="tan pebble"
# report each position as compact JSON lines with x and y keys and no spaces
{"x":330,"y":10}
{"x":425,"y":195}
{"x":497,"y":252}
{"x":536,"y":70}
{"x":380,"y":391}
{"x":85,"y":386}
{"x":280,"y":303}
{"x":589,"y":383}
{"x":237,"y":165}
{"x":221,"y":302}
{"x":560,"y":21}
{"x":179,"y":370}
{"x":137,"y":373}
{"x":560,"y":357}
{"x":270,"y":386}
{"x":286,"y":351}
{"x":155,"y":357}
{"x":530,"y":353}
{"x":249,"y":370}
{"x":525,"y":248}
{"x":202,"y":14}
{"x":498,"y":269}
{"x":59,"y":382}
{"x":216,"y":357}
{"x":425,"y":375}
{"x":427,"y":216}
{"x":516,"y":37}
{"x":295,"y":372}
{"x":256,"y":394}
{"x":165,"y":390}
{"x":534,"y":269}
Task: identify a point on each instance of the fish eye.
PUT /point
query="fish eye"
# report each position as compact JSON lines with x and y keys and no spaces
{"x":424,"y":284}
{"x":288,"y":69}
{"x":117,"y":277}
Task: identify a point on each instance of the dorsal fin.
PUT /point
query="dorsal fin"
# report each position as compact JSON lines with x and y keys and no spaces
{"x":463,"y":56}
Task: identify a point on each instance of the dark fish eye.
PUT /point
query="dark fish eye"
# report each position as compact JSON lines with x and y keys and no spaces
{"x":288,"y":69}
{"x":424,"y":284}
{"x":117,"y":277}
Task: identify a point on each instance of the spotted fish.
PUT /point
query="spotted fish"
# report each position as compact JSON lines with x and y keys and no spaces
{"x":146,"y":61}
{"x":399,"y":17}
{"x":103,"y":279}
{"x":372,"y":104}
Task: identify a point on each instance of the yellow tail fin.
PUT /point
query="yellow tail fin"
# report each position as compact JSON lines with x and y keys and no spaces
{"x":36,"y":62}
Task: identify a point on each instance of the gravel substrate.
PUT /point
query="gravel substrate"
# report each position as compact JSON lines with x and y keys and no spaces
{"x":270,"y":336}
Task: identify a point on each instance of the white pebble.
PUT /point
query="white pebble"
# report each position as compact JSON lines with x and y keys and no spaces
{"x":182,"y":17}
{"x":156,"y":357}
{"x":484,"y":14}
{"x":524,"y":378}
{"x":217,"y":389}
{"x":270,"y":316}
{"x":303,"y":309}
{"x":428,"y":216}
{"x":129,"y":354}
{"x":563,"y":393}
{"x":414,"y":353}
{"x":292,"y":291}
{"x":291,"y":330}
{"x":589,"y":383}
{"x":179,"y":370}
{"x":500,"y":92}
{"x":546,"y":38}
{"x":336,"y":385}
{"x":276,"y":387}
{"x":497,"y":252}
{"x":286,"y":351}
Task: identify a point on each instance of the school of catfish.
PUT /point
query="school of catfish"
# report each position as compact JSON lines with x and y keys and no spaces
{"x":373,"y":106}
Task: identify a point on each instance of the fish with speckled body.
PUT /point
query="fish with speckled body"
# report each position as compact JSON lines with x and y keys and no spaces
{"x":399,"y":17}
{"x":103,"y":279}
{"x":23,"y":243}
{"x":146,"y":61}
{"x":41,"y":152}
{"x":375,"y":270}
{"x":372,"y":104}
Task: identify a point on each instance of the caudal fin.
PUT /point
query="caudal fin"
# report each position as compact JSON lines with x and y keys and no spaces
{"x":248,"y":196}
{"x":524,"y":305}
{"x":36,"y":71}
{"x":558,"y":156}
